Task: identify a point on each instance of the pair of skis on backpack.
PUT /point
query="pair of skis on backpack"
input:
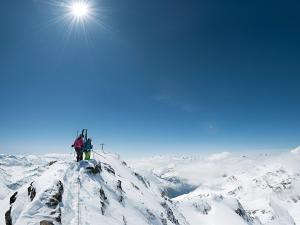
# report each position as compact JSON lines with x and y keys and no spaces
{"x":83,"y":144}
{"x":87,"y":147}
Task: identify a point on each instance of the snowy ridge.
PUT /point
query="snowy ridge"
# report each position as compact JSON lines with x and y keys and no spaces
{"x":102,"y":191}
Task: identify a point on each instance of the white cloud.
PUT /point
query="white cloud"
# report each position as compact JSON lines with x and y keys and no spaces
{"x":296,"y":150}
{"x":218,"y":156}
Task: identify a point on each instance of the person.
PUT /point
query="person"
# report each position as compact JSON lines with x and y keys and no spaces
{"x":78,"y":146}
{"x":87,"y":149}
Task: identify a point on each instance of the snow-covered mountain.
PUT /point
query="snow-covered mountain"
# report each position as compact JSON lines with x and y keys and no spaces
{"x":230,"y":189}
{"x":220,"y":189}
{"x":53,"y":190}
{"x":16,"y":171}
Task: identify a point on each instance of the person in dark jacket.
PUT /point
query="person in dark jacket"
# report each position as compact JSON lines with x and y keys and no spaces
{"x":78,"y":146}
{"x":87,"y":149}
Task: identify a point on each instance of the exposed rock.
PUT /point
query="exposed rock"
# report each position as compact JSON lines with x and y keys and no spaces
{"x":31,"y":191}
{"x":231,"y":179}
{"x":54,"y":201}
{"x":56,"y":198}
{"x":103,"y":201}
{"x":58,"y":218}
{"x":95,"y":170}
{"x":278,"y":181}
{"x":174,"y":180}
{"x":45,"y":222}
{"x":119,"y":185}
{"x":124,"y":220}
{"x":102,"y":195}
{"x":103,"y":208}
{"x":109,"y":169}
{"x":163,"y":194}
{"x":121,"y":199}
{"x":52,"y":162}
{"x":150,"y":215}
{"x":219,"y":198}
{"x":120,"y":190}
{"x":136,"y":187}
{"x":163,"y":219}
{"x":8,"y":219}
{"x":235,"y":191}
{"x":242,"y":213}
{"x":202,"y":206}
{"x":13,"y":198}
{"x":170,"y":214}
{"x":141,"y":178}
{"x":294,"y":200}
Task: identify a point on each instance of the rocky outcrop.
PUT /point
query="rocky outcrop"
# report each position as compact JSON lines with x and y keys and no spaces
{"x":163,"y":219}
{"x":95,"y":170}
{"x":109,"y":169}
{"x":120,"y":192}
{"x":124,"y":220}
{"x":202,"y":206}
{"x":119,"y":185}
{"x":56,"y":198}
{"x":52,"y":162}
{"x":103,"y":201}
{"x":242,"y":213}
{"x":8,"y":219}
{"x":45,"y":222}
{"x":136,"y":187}
{"x":142,"y":179}
{"x":31,"y":191}
{"x":170,"y":214}
{"x":13,"y":198}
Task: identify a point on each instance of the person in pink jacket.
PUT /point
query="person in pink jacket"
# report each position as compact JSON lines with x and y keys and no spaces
{"x":78,"y":146}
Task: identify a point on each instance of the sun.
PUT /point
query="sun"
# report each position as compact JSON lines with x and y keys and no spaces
{"x":79,"y":9}
{"x":78,"y":17}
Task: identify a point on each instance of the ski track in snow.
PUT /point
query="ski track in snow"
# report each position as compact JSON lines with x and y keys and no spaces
{"x":70,"y":200}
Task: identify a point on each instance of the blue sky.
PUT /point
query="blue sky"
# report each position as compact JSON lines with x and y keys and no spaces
{"x":158,"y":77}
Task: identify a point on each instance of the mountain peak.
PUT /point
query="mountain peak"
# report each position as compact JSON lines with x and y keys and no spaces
{"x":101,"y":191}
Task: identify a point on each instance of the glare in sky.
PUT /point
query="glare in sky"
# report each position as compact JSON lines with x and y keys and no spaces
{"x":78,"y":17}
{"x":79,"y":9}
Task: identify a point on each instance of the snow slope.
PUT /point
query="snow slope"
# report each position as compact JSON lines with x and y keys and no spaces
{"x":16,"y":171}
{"x":103,"y":191}
{"x":230,"y":188}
